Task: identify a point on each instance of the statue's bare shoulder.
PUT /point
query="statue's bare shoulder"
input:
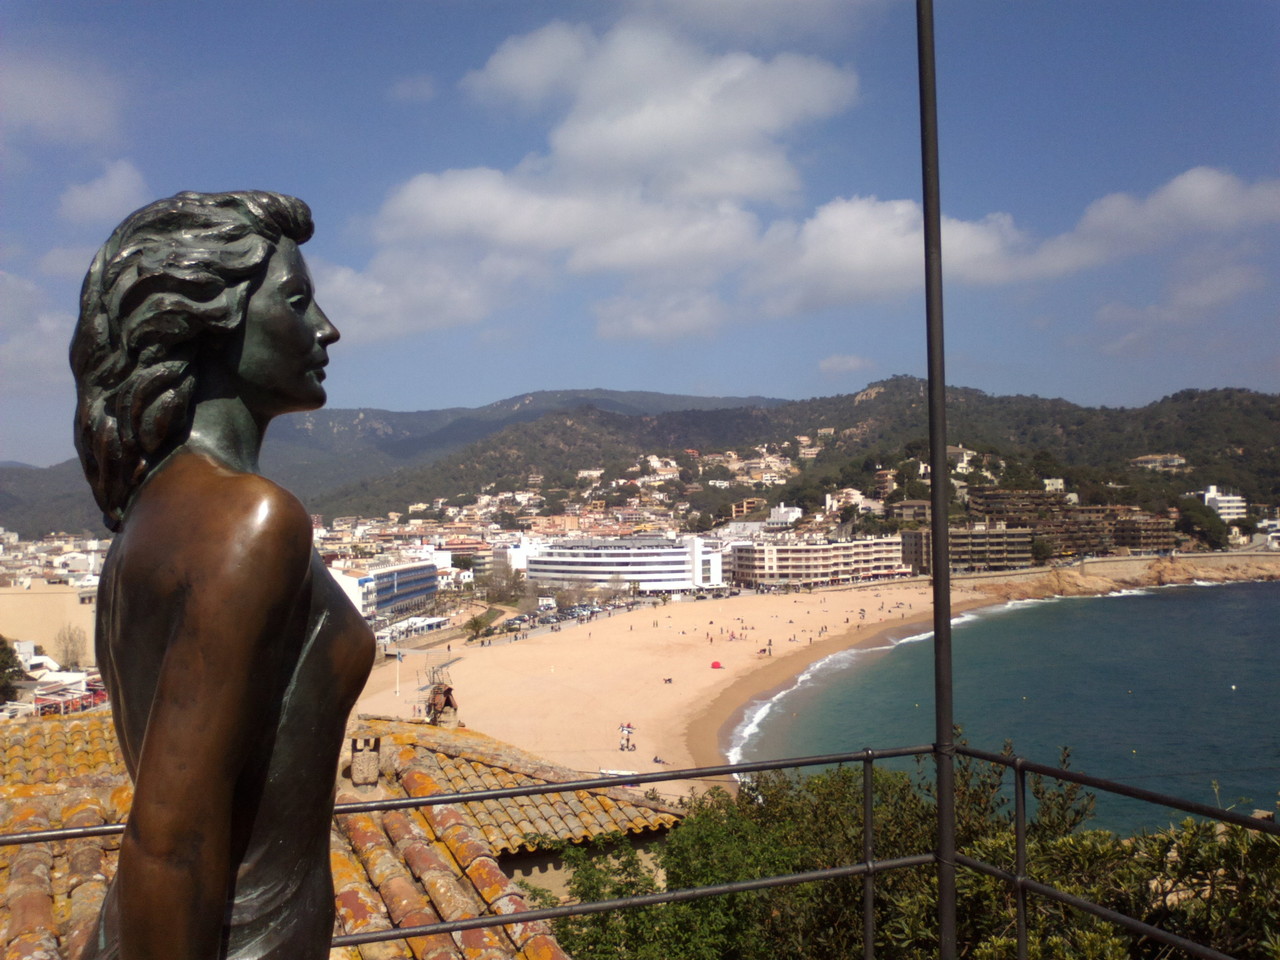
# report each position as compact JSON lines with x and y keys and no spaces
{"x":216,"y":524}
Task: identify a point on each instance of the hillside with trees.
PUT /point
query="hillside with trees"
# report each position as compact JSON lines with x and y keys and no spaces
{"x":1229,"y":437}
{"x":368,"y":462}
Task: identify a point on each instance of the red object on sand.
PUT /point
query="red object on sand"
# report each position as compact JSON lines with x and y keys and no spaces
{"x":716,"y":665}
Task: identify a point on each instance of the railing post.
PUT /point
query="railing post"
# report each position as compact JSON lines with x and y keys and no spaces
{"x":944,"y":722}
{"x":868,"y":856}
{"x":1020,"y":858}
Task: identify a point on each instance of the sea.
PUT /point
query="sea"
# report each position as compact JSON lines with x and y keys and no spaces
{"x":1173,"y":689}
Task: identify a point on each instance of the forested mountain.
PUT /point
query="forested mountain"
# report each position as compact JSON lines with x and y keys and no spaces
{"x":310,"y":453}
{"x":1230,"y":437}
{"x":38,"y":501}
{"x":371,"y":461}
{"x":313,"y":452}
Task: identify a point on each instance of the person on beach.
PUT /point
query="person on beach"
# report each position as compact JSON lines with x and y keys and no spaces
{"x":230,"y":656}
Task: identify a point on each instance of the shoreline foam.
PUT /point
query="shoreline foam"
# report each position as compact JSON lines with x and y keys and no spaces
{"x":1123,"y":576}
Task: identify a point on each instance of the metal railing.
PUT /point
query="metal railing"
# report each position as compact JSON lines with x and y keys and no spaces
{"x":944,"y":857}
{"x":868,"y":868}
{"x":1023,"y":884}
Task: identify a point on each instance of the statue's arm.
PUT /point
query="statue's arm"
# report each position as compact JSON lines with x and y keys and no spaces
{"x":240,"y":586}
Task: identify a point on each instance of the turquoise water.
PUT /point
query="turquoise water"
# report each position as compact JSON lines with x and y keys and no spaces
{"x":1171,"y":689}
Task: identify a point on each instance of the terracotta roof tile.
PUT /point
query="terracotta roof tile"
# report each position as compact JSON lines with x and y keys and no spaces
{"x":29,"y":889}
{"x":392,"y":869}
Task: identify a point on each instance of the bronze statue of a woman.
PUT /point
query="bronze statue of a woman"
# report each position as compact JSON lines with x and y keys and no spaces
{"x":231,"y":657}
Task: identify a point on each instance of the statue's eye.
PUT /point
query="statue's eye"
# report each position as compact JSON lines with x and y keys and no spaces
{"x":300,"y":301}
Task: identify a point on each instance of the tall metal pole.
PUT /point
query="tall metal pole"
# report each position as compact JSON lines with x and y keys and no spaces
{"x":944,"y":723}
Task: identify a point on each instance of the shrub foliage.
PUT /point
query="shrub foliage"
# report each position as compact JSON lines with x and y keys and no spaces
{"x":1212,"y":884}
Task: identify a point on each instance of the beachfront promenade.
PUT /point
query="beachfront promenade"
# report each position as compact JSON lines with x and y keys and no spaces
{"x":563,"y":694}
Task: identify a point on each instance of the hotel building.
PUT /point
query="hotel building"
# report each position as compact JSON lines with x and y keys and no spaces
{"x":979,"y":546}
{"x":776,"y":563}
{"x":390,"y":589}
{"x":641,"y":564}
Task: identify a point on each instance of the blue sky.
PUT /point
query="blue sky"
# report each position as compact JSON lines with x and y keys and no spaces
{"x":691,"y":196}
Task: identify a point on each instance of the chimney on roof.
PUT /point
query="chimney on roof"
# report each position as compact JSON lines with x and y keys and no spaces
{"x":364,"y":760}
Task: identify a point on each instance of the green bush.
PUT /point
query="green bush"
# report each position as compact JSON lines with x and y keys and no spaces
{"x":1213,"y":885}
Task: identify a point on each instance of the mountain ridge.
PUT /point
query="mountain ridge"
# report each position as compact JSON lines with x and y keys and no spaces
{"x":364,"y":460}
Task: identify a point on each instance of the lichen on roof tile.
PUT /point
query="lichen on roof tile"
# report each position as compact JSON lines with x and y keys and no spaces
{"x":482,"y":943}
{"x":397,"y":868}
{"x":521,"y":932}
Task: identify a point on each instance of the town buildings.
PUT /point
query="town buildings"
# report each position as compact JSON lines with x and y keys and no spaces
{"x":387,"y":589}
{"x":1070,"y":530}
{"x":973,"y":548}
{"x":1227,"y":505}
{"x":1161,"y":462}
{"x":631,"y":529}
{"x":791,"y":562}
{"x":632,"y":564}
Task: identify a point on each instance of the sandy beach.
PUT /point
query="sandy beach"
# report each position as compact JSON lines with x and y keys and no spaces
{"x":563,"y":695}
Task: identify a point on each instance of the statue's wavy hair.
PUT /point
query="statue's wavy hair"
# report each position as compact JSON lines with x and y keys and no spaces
{"x":172,"y":276}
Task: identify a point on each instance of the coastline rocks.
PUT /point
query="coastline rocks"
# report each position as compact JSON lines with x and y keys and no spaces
{"x":1111,"y":575}
{"x":1169,"y":570}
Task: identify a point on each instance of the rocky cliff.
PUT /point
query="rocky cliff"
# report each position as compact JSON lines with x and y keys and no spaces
{"x":1109,"y":576}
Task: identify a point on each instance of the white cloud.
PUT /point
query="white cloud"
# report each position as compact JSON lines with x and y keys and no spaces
{"x":654,"y":109}
{"x":665,"y":240}
{"x":408,"y":289}
{"x":533,"y":68}
{"x":119,"y":191}
{"x":763,"y":20}
{"x":859,"y":248}
{"x":1199,"y":201}
{"x":592,"y":230}
{"x":850,"y":250}
{"x":663,"y":157}
{"x":1201,"y":289}
{"x":842,"y":363}
{"x":671,"y":316}
{"x":660,"y":148}
{"x":487,"y":205}
{"x":50,"y":101}
{"x":647,"y":107}
{"x":69,"y":262}
{"x":33,"y":342}
{"x":416,"y":89}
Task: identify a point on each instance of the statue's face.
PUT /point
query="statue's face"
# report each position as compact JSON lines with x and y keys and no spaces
{"x":284,"y":349}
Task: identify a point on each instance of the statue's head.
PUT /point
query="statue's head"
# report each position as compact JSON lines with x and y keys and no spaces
{"x":172,"y":283}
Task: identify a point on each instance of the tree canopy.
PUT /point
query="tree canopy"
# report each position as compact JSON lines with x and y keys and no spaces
{"x":1215,"y":886}
{"x":10,"y":670}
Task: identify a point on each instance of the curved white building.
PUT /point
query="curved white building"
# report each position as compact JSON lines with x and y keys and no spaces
{"x":641,"y":564}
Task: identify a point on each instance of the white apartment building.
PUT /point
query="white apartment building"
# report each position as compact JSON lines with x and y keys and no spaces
{"x":773,"y":563}
{"x":1227,"y":505}
{"x":640,"y":564}
{"x":386,"y":588}
{"x":850,"y":497}
{"x":782,"y":517}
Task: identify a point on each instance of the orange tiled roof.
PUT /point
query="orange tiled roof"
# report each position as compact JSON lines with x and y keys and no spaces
{"x":390,"y":869}
{"x":48,"y":750}
{"x":419,"y":760}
